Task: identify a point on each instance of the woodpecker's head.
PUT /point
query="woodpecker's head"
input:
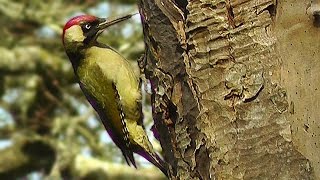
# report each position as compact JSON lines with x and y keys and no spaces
{"x":83,"y":30}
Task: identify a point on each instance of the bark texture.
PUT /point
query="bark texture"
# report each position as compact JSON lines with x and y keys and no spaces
{"x":297,"y":32}
{"x":220,"y":101}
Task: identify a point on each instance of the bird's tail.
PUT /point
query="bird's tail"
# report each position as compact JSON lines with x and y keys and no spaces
{"x":128,"y":156}
{"x":156,"y":160}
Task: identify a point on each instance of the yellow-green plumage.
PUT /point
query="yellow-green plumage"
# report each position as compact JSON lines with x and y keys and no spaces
{"x":110,"y":85}
{"x":101,"y":68}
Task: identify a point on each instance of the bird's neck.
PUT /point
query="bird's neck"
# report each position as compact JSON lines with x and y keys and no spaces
{"x":75,"y":59}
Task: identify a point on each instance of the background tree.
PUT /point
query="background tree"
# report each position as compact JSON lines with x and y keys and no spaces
{"x":235,"y":87}
{"x":47,"y":128}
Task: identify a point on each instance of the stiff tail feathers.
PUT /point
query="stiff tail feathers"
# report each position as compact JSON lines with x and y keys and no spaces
{"x":128,"y":156}
{"x":155,"y":160}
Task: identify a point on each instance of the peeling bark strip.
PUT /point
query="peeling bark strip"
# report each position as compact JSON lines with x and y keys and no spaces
{"x":217,"y":101}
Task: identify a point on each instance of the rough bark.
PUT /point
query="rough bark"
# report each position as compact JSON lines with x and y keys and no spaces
{"x":222,"y":77}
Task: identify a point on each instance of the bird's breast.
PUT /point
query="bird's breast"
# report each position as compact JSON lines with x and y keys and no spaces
{"x":103,"y":67}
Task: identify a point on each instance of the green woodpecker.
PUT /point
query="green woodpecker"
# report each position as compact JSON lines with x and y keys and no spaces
{"x":110,"y":85}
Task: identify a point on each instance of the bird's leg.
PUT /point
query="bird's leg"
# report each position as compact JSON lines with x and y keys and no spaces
{"x":142,"y":63}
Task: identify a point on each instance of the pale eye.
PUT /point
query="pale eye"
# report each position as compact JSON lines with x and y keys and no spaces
{"x":88,"y":26}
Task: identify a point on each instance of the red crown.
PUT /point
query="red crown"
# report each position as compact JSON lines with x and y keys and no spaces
{"x":77,"y":20}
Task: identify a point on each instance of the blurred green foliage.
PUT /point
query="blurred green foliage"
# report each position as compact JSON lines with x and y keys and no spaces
{"x":44,"y":118}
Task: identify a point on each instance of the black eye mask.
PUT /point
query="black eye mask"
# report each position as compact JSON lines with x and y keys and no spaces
{"x":89,"y":30}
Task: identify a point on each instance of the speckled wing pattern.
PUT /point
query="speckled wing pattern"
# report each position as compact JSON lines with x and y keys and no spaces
{"x":113,"y":90}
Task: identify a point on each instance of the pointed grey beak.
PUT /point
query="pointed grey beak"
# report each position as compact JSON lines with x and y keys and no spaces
{"x":106,"y":22}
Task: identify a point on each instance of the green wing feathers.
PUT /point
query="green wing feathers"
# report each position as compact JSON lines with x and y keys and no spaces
{"x":113,"y":68}
{"x":110,"y":80}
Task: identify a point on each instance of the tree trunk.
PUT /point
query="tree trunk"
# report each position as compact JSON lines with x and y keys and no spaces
{"x":235,"y":87}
